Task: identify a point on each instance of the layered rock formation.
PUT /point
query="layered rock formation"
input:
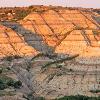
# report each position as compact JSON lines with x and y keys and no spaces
{"x":12,"y":43}
{"x":62,"y":31}
{"x":67,"y":31}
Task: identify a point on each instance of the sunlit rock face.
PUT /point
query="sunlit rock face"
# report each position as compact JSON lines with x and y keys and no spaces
{"x":61,"y":31}
{"x":48,"y":25}
{"x":12,"y":43}
{"x":67,"y":31}
{"x":64,"y":32}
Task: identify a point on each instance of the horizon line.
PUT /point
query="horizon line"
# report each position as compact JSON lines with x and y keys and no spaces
{"x":50,"y":5}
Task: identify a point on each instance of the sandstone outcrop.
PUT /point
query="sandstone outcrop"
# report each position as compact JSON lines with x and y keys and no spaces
{"x":12,"y":43}
{"x":62,"y":31}
{"x":66,"y":31}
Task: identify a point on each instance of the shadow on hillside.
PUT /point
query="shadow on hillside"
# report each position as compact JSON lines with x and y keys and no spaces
{"x":97,"y":19}
{"x":32,"y":39}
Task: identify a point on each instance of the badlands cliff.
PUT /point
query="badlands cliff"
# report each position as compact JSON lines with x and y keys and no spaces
{"x":12,"y":43}
{"x":62,"y":32}
{"x":67,"y":31}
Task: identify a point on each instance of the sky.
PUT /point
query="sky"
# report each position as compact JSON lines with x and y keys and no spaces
{"x":69,"y":3}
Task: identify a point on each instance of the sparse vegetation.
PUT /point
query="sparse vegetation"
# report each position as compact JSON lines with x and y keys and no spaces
{"x":59,"y":61}
{"x":44,"y":55}
{"x":20,"y":14}
{"x":78,"y":97}
{"x":17,"y":84}
{"x":10,"y":58}
{"x":4,"y":69}
{"x":96,"y":32}
{"x":6,"y":82}
{"x":31,"y":97}
{"x":58,"y":70}
{"x":10,"y":83}
{"x":1,"y":69}
{"x":2,"y":85}
{"x":95,"y":91}
{"x":5,"y":93}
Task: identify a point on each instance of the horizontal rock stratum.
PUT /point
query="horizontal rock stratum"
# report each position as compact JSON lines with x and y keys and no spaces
{"x":54,"y":31}
{"x":68,"y":31}
{"x":12,"y":43}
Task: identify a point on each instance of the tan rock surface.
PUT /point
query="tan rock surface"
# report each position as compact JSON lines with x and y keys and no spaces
{"x":64,"y":32}
{"x":68,"y":31}
{"x":12,"y":43}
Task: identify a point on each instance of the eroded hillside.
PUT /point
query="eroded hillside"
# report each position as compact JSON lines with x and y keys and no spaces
{"x":56,"y":30}
{"x":12,"y":43}
{"x":65,"y":44}
{"x":67,"y":31}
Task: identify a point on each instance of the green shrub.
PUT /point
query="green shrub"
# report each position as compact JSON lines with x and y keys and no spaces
{"x":40,"y":98}
{"x":17,"y":57}
{"x":31,"y":97}
{"x":2,"y":85}
{"x":17,"y":84}
{"x":10,"y":58}
{"x":7,"y":93}
{"x":8,"y":68}
{"x":78,"y":97}
{"x":1,"y":70}
{"x":6,"y":82}
{"x":20,"y":14}
{"x":59,"y":61}
{"x":10,"y":83}
{"x":95,"y":91}
{"x":5,"y":79}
